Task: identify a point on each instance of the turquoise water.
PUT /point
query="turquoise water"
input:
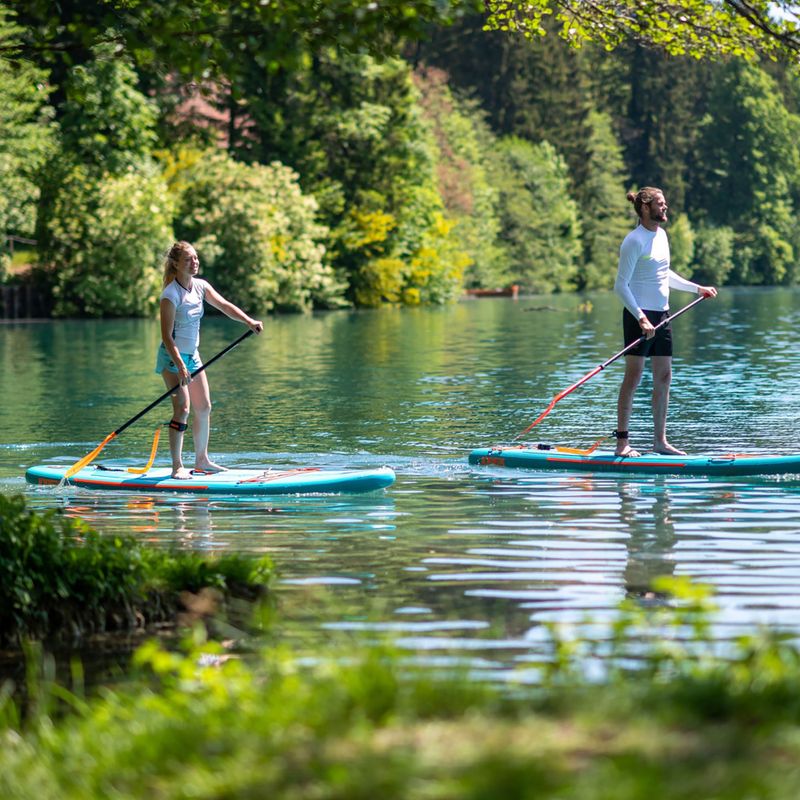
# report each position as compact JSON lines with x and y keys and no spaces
{"x":457,"y":562}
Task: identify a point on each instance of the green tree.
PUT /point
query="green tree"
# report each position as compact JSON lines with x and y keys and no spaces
{"x":605,"y":216}
{"x":656,"y":101}
{"x":352,"y":127}
{"x":206,"y":38}
{"x":681,"y":243}
{"x":541,"y":227}
{"x":256,"y":234}
{"x":26,"y":141}
{"x":104,"y":212}
{"x":750,"y":149}
{"x":105,"y":121}
{"x":537,"y":90}
{"x":713,"y":255}
{"x":463,"y":142}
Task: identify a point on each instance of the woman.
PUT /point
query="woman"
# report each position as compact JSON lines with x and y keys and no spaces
{"x":644,"y":279}
{"x":178,"y":356}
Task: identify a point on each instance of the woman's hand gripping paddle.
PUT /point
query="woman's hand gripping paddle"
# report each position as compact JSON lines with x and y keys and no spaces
{"x":600,"y":368}
{"x":87,"y":459}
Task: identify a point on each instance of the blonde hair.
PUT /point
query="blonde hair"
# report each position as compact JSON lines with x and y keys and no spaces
{"x":172,"y":259}
{"x":643,"y":197}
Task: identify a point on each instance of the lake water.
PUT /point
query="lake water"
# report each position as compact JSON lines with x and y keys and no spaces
{"x":456,"y":562}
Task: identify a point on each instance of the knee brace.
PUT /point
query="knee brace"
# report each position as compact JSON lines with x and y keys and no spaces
{"x":178,"y":426}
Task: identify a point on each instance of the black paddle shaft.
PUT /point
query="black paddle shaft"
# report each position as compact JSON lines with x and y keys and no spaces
{"x":172,"y":391}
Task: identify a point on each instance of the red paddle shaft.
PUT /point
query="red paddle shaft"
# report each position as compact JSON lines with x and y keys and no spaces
{"x":600,"y":367}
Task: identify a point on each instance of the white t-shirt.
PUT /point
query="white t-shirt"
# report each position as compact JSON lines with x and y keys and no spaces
{"x":188,"y":313}
{"x":644,"y":277}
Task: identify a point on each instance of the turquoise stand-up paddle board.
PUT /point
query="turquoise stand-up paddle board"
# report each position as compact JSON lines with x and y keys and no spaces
{"x":232,"y":481}
{"x":549,"y":458}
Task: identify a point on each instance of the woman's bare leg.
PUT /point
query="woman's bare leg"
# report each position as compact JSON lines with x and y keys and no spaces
{"x":201,"y":424}
{"x":180,"y":414}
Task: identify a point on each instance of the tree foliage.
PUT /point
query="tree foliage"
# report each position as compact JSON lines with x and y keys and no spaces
{"x":105,"y":121}
{"x":699,"y":28}
{"x":105,"y":239}
{"x":463,"y":151}
{"x":750,"y":156}
{"x":602,"y":195}
{"x":104,"y":215}
{"x":256,"y":234}
{"x":26,"y":141}
{"x":540,"y":221}
{"x":204,"y":38}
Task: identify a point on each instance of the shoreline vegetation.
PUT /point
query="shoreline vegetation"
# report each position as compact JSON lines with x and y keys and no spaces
{"x":649,"y":707}
{"x":368,"y":167}
{"x":61,"y":581}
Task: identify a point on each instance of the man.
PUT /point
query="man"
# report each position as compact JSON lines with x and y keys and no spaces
{"x":644,"y":279}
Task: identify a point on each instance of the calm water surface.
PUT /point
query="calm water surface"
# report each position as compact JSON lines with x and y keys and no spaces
{"x":457,"y":562}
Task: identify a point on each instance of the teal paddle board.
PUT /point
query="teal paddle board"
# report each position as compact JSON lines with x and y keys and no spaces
{"x":549,"y":458}
{"x":232,"y":481}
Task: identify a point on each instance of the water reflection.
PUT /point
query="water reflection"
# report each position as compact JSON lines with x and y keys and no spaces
{"x":649,"y":519}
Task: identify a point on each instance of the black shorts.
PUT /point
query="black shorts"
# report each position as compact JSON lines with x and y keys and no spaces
{"x":659,"y":345}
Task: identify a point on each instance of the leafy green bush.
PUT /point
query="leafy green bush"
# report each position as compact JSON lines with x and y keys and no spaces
{"x":256,"y":234}
{"x":59,"y":577}
{"x":104,"y":238}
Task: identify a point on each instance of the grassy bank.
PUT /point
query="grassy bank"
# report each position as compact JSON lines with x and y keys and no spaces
{"x":200,"y":728}
{"x":61,"y":581}
{"x":648,"y":708}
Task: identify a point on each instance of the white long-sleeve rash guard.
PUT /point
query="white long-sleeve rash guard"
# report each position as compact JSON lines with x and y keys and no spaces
{"x":644,"y":277}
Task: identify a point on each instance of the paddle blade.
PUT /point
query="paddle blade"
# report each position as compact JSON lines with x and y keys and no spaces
{"x":87,"y":459}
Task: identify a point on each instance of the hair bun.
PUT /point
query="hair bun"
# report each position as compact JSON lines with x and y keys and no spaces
{"x":631,"y":197}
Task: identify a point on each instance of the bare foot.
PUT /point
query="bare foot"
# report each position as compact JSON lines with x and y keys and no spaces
{"x":181,"y":474}
{"x":209,"y":468}
{"x":666,"y":449}
{"x":627,"y":452}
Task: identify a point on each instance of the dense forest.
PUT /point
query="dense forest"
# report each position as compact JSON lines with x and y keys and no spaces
{"x":328,"y":159}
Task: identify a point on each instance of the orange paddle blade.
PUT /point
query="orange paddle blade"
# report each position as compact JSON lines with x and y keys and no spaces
{"x":79,"y":465}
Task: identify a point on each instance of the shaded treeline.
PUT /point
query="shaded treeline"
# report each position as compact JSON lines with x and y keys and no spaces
{"x":321,"y":168}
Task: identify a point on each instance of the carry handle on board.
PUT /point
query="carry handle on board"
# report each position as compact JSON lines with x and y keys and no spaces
{"x":87,"y":459}
{"x":600,"y":367}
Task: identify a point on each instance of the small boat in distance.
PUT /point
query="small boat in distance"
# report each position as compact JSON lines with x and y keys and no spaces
{"x":509,"y":291}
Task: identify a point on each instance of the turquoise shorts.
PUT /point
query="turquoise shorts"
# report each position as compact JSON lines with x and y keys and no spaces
{"x":163,"y":361}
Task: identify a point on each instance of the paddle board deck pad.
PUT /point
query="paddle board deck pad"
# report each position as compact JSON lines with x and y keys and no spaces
{"x":648,"y":463}
{"x":232,"y":481}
